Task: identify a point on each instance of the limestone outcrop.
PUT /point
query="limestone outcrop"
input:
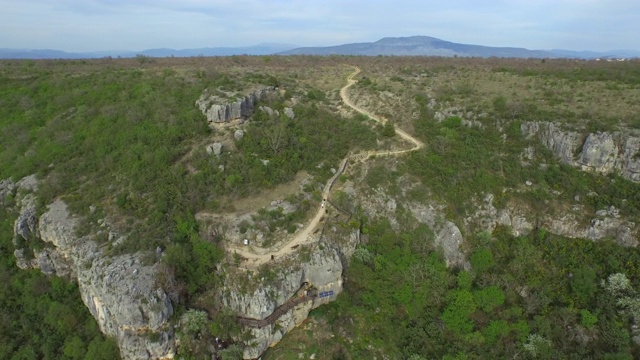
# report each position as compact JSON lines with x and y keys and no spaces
{"x":447,"y":235}
{"x":605,"y":223}
{"x":220,"y":110}
{"x":119,"y":291}
{"x":601,"y":152}
{"x":323,"y":269}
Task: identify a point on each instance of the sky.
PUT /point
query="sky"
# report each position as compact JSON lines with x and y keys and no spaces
{"x":95,"y":25}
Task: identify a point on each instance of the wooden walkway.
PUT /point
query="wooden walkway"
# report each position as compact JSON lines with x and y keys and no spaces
{"x":279,"y":311}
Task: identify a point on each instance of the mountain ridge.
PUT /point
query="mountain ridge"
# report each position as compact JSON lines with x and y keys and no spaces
{"x":418,"y":45}
{"x":430,"y":46}
{"x":258,"y":49}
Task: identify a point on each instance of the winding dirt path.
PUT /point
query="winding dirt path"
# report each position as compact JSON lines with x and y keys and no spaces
{"x":417,"y":144}
{"x":256,"y":256}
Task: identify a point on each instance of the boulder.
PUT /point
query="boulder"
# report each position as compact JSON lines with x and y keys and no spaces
{"x":289,"y":113}
{"x":239,"y":134}
{"x":599,"y":153}
{"x":269,"y":111}
{"x":215,"y":149}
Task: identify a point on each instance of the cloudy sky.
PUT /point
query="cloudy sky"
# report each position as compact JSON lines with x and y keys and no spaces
{"x":90,"y":25}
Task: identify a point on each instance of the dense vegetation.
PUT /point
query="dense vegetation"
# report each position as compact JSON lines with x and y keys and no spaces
{"x":126,"y":138}
{"x":534,"y":296}
{"x":462,"y":162}
{"x":538,"y":296}
{"x":43,"y":317}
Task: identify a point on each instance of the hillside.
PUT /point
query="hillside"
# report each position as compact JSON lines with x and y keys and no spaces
{"x":333,"y":207}
{"x":430,"y":46}
{"x":419,"y":46}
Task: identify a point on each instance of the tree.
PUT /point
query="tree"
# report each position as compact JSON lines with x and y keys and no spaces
{"x":74,"y":348}
{"x":489,"y":298}
{"x":481,"y":260}
{"x":194,"y":321}
{"x":100,"y":349}
{"x":456,"y":315}
{"x":233,"y":352}
{"x":538,"y":346}
{"x":584,"y":285}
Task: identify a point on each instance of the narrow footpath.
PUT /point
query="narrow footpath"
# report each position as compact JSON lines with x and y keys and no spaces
{"x":255,"y":257}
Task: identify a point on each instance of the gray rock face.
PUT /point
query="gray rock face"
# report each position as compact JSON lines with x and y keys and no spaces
{"x":600,"y":152}
{"x":448,"y":236}
{"x":323,"y":269}
{"x":217,"y":111}
{"x":605,"y":223}
{"x":563,"y":143}
{"x":120,"y":291}
{"x":121,"y":294}
{"x":26,"y":226}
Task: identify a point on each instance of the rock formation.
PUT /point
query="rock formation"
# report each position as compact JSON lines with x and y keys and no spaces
{"x":323,"y":269}
{"x":601,"y":152}
{"x":119,"y":291}
{"x":219,"y":110}
{"x":605,"y":223}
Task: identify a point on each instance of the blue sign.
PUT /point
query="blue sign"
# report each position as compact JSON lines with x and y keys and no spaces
{"x":326,"y":293}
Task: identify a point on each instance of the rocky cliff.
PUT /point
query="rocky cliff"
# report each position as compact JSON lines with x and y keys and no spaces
{"x":119,"y":291}
{"x":568,"y":222}
{"x":602,"y":152}
{"x":220,"y":110}
{"x":322,"y":268}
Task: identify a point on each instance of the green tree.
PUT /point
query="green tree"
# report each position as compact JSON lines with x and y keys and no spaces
{"x":101,"y":349}
{"x":583,"y":285}
{"x":489,"y":298}
{"x":457,"y":314}
{"x":495,"y":330}
{"x":587,"y":319}
{"x":481,"y":260}
{"x":74,"y":348}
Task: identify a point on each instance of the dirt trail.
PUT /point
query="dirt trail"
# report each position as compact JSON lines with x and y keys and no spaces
{"x":343,"y":94}
{"x":257,"y":257}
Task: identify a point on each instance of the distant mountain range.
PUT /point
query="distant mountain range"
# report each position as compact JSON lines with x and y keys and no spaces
{"x":260,"y":49}
{"x":397,"y":46}
{"x":430,"y":46}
